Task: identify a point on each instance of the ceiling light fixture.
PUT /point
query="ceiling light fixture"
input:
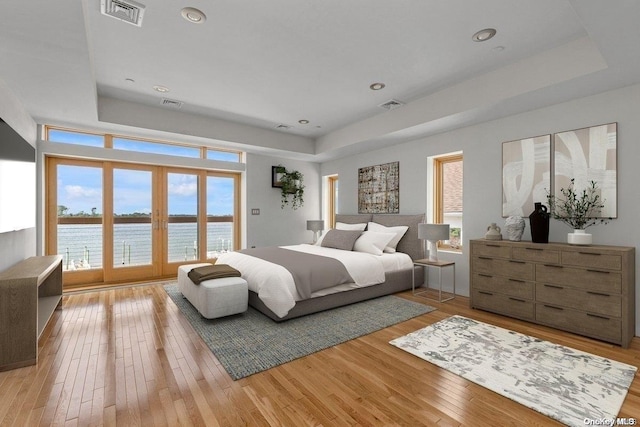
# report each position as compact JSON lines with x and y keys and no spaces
{"x":484,"y":35}
{"x":161,"y":89}
{"x":376,"y":86}
{"x":193,"y":15}
{"x":303,"y":122}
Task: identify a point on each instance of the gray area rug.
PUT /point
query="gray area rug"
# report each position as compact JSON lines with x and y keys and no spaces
{"x":251,"y":342}
{"x":565,"y":384}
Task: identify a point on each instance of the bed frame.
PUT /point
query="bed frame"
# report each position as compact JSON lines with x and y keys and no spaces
{"x":396,"y":281}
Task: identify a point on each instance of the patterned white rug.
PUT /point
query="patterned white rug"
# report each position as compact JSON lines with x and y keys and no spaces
{"x":568,"y":385}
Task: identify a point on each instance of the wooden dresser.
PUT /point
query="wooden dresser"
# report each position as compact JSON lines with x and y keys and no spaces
{"x":588,"y":290}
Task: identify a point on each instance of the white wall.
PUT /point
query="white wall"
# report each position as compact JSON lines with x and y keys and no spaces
{"x":482,"y":149}
{"x":17,"y":245}
{"x":275,"y":226}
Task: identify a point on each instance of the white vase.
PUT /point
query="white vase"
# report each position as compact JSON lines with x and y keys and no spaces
{"x":579,"y":237}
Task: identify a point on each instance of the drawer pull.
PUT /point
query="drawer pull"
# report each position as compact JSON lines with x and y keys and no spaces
{"x":552,"y":265}
{"x":485,"y":293}
{"x":534,"y":249}
{"x":589,"y":253}
{"x":517,"y":262}
{"x":553,"y":286}
{"x":598,"y":271}
{"x":600,"y":294}
{"x":492,"y":246}
{"x":484,"y":257}
{"x":517,"y":299}
{"x":484,"y":275}
{"x":516,"y":280}
{"x":597,"y":317}
{"x":554,"y":308}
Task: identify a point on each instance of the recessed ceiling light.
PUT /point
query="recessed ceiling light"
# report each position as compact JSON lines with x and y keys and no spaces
{"x":376,"y":86}
{"x":161,"y":89}
{"x":193,"y":15}
{"x":303,"y":122}
{"x":484,"y":35}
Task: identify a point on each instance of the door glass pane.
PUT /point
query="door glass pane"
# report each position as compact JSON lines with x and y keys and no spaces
{"x":220,"y":220}
{"x":132,"y":238}
{"x":182,"y":203}
{"x":79,"y":202}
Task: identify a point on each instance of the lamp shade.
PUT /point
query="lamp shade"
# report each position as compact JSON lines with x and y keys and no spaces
{"x":433,"y":231}
{"x":315,"y":225}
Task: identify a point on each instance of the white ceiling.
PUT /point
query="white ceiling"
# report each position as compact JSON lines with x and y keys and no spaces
{"x":254,"y":65}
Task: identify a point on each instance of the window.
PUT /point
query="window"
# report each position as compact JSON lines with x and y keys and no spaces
{"x":448,"y":174}
{"x":116,"y":142}
{"x":332,"y":200}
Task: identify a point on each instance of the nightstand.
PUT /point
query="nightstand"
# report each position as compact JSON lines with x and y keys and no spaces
{"x":439,"y":265}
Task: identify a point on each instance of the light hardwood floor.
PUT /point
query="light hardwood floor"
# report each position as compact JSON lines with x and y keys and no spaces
{"x":127,"y":357}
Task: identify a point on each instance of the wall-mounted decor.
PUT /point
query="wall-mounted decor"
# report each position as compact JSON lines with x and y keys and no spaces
{"x":290,"y":185}
{"x":586,"y":155}
{"x":526,"y":172}
{"x":276,"y":176}
{"x":379,"y":188}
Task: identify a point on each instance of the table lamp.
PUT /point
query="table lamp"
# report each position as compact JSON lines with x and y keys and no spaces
{"x":315,"y":225}
{"x":433,"y":233}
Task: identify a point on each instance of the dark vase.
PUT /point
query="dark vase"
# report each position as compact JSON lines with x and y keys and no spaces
{"x":539,"y":224}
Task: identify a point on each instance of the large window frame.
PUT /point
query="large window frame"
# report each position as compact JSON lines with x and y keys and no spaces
{"x":101,"y":157}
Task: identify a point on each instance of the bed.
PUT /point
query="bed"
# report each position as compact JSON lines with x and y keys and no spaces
{"x":271,"y":288}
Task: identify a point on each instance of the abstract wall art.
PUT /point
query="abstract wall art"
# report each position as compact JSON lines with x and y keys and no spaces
{"x":379,"y":188}
{"x":588,"y":154}
{"x":526,"y":174}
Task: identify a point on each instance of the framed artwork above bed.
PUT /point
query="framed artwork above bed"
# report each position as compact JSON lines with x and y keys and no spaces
{"x":379,"y":188}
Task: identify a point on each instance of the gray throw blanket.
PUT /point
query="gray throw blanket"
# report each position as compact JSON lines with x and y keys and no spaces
{"x":208,"y":272}
{"x":310,"y":272}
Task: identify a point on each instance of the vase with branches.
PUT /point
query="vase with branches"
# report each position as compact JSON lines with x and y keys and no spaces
{"x":578,"y":209}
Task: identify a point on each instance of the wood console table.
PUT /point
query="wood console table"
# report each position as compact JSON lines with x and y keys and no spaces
{"x":30,"y":292}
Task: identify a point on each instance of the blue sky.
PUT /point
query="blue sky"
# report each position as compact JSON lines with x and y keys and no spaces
{"x":80,"y":187}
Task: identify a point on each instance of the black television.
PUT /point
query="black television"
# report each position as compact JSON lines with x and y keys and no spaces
{"x":17,"y":181}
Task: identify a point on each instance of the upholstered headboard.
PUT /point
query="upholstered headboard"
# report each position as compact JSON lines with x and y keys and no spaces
{"x":409,"y":244}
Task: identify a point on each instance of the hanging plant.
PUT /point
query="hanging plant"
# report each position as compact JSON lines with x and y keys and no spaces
{"x":292,"y":190}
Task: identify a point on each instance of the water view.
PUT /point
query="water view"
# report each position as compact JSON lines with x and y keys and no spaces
{"x":81,"y":244}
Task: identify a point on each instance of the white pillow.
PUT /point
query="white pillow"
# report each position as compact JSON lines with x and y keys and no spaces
{"x":399,"y":231}
{"x":343,"y":226}
{"x":372,"y":242}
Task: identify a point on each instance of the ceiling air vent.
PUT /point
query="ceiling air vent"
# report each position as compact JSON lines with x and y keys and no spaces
{"x":391,"y":105}
{"x":171,"y":103}
{"x":127,"y":11}
{"x":283,"y":127}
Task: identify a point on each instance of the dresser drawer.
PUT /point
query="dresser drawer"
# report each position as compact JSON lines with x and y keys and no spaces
{"x":593,"y":302}
{"x":491,"y":250}
{"x":537,"y":255}
{"x":592,"y":260}
{"x":587,"y":279}
{"x":602,"y":327}
{"x":503,"y":304}
{"x":506,"y":268}
{"x":510,"y":287}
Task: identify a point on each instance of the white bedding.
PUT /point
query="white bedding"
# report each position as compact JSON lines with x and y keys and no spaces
{"x":276,"y":288}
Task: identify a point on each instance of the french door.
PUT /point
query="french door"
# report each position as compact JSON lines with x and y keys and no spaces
{"x":116,"y":222}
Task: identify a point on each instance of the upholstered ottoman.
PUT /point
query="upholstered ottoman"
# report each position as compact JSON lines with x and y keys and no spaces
{"x":216,"y":297}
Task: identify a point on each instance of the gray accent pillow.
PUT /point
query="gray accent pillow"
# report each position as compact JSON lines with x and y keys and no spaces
{"x":409,"y":244}
{"x":353,"y":219}
{"x":340,"y":239}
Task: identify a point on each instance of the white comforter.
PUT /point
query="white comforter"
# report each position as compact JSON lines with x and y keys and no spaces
{"x":276,"y":288}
